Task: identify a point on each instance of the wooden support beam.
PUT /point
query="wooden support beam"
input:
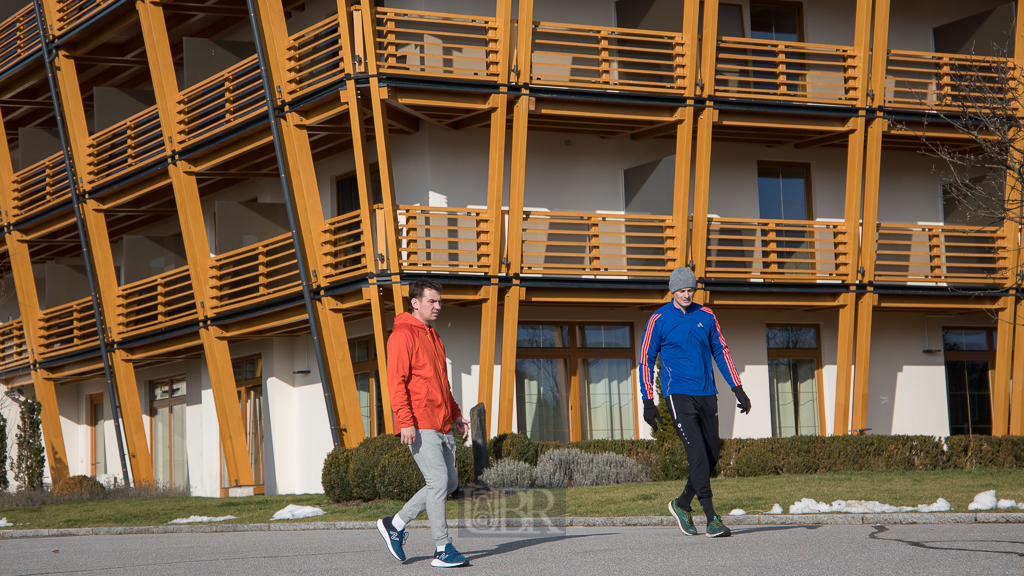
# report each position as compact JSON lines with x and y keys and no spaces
{"x":1004,"y":367}
{"x":1017,"y":394}
{"x":844,"y":364}
{"x":1013,"y":194}
{"x":865,"y":314}
{"x":705,"y":123}
{"x":823,"y":140}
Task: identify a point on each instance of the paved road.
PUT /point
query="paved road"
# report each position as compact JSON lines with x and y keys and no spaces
{"x":792,"y":550}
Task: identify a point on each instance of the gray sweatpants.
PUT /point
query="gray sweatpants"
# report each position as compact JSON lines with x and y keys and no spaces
{"x":434,"y":453}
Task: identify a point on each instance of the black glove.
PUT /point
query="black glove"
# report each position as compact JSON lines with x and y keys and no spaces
{"x":651,"y":415}
{"x":741,"y":397}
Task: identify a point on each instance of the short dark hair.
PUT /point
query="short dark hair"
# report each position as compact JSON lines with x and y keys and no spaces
{"x":417,"y":288}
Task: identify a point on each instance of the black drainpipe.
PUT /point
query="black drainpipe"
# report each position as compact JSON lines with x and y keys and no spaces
{"x":115,"y":404}
{"x":299,"y":258}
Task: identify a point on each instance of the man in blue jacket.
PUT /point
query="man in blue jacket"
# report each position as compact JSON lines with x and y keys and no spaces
{"x":686,"y":336}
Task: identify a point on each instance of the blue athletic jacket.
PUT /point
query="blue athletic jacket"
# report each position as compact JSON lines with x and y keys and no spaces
{"x":686,"y":342}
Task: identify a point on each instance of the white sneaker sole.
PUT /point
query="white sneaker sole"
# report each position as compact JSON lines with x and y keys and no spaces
{"x":436,"y":563}
{"x":384,"y":532}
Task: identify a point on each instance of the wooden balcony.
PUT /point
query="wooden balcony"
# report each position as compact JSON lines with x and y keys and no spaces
{"x":314,"y":58}
{"x":926,"y":80}
{"x":418,"y":43}
{"x":156,"y":302}
{"x":125,"y":147}
{"x":19,"y":38}
{"x":13,"y":348}
{"x":221,"y":103}
{"x":620,"y":59}
{"x":40,"y":186}
{"x":935,"y":254}
{"x":71,"y":12}
{"x":446,"y":239}
{"x":66,"y":329}
{"x":598,"y":245}
{"x":344,"y":248}
{"x":798,"y":72}
{"x":254,"y":274}
{"x":772,"y":250}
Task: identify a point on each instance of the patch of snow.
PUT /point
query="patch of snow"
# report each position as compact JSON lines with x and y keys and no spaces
{"x":983,"y":501}
{"x":1003,"y":504}
{"x":811,"y":506}
{"x":738,"y":512}
{"x":775,"y":510}
{"x":194,"y":519}
{"x":4,"y":523}
{"x":292,"y":512}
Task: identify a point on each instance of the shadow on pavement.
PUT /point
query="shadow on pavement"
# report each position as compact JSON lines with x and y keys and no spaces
{"x":926,"y":545}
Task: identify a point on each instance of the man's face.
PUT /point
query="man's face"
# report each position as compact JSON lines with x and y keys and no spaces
{"x":682,"y":298}
{"x":427,"y":306}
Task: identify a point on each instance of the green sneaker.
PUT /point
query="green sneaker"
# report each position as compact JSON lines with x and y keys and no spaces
{"x":717,"y":529}
{"x":683,"y":517}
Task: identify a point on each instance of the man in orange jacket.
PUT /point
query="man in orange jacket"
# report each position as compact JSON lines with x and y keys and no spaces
{"x":425,"y":411}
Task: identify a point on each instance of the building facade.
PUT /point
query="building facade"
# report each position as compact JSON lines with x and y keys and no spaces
{"x":212,"y":212}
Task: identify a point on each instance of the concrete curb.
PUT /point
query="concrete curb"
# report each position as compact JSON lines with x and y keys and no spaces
{"x":569,"y":521}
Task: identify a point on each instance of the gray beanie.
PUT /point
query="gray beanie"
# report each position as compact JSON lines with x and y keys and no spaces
{"x":681,"y":277}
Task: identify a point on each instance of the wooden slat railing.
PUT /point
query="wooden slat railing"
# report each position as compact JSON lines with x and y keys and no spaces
{"x":602,"y":57}
{"x":19,"y":37}
{"x":13,"y":347}
{"x":40,"y":186}
{"x":70,"y":12}
{"x":414,"y":42}
{"x":125,"y":146}
{"x":586,"y":244}
{"x":942,"y":254}
{"x":314,"y":58}
{"x":254,"y":274}
{"x":748,"y":248}
{"x":221,"y":102}
{"x":66,"y":329}
{"x":442,"y":239}
{"x":943,"y":81}
{"x":156,"y":302}
{"x":787,"y":71}
{"x":343,"y":247}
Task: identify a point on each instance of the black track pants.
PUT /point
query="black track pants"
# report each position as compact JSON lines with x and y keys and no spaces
{"x":696,"y":421}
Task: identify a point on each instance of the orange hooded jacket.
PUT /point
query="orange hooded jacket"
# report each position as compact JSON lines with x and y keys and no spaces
{"x":418,"y":377}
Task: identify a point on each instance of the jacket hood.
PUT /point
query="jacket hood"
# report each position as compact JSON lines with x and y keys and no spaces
{"x":407,"y":319}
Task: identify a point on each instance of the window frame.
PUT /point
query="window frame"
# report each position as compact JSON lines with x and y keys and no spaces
{"x":808,"y":188}
{"x":804,"y":354}
{"x":780,"y":4}
{"x":573,"y":354}
{"x":373,"y":167}
{"x":373,"y":367}
{"x":93,"y":400}
{"x":168,"y":402}
{"x":241,"y":386}
{"x":973,"y":355}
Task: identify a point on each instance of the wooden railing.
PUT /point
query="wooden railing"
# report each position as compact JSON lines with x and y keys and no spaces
{"x":125,"y":146}
{"x":66,"y":329}
{"x":19,"y":37}
{"x":343,"y":247}
{"x":575,"y":244}
{"x":942,"y":254}
{"x":445,"y":239}
{"x":70,"y":12}
{"x":602,"y":58}
{"x":254,"y":274}
{"x":314,"y":58}
{"x":945,"y":81}
{"x":786,"y":71}
{"x":13,"y":348}
{"x":748,"y":248}
{"x":40,"y":186}
{"x":156,"y":302}
{"x":221,"y":102}
{"x":415,"y":42}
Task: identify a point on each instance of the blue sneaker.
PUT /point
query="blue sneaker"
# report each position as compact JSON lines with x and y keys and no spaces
{"x":394,"y":538}
{"x":448,"y":558}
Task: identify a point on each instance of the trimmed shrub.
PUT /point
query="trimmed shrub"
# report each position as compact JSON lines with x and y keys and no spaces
{"x":509,"y":475}
{"x":515,"y":446}
{"x":397,"y":475}
{"x":31,"y":459}
{"x":80,"y":488}
{"x":755,"y":460}
{"x":334,"y":476}
{"x":464,"y":459}
{"x":366,"y":457}
{"x":574,"y":467}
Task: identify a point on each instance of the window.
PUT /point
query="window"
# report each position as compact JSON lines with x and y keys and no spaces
{"x":969,"y":355}
{"x":167,"y":432}
{"x":348,"y":191}
{"x":364,"y":365}
{"x":97,"y":423}
{"x":575,"y":382}
{"x":248,"y":373}
{"x":794,"y":382}
{"x":784,"y":193}
{"x":780,"y":22}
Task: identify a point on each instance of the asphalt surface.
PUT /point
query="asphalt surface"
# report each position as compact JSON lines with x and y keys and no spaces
{"x":785,"y":549}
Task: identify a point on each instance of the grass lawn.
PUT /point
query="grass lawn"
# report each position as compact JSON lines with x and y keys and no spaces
{"x":752,"y":494}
